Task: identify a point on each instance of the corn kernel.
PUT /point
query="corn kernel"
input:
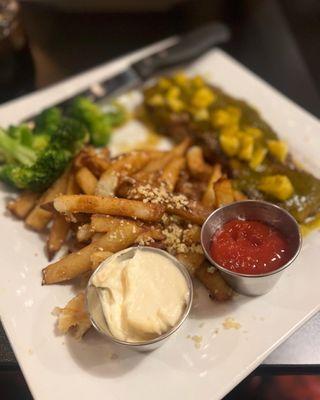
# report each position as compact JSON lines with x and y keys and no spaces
{"x":254,"y":132}
{"x":173,"y":92}
{"x":258,"y":157}
{"x":156,"y":100}
{"x":202,"y":98}
{"x":200,"y":115}
{"x":229,"y":144}
{"x":180,"y":79}
{"x":246,"y":147}
{"x":278,"y":149}
{"x":220,"y":118}
{"x":230,"y":130}
{"x":234,"y":113}
{"x":175,"y":104}
{"x":197,"y":81}
{"x":164,"y":83}
{"x":278,"y":186}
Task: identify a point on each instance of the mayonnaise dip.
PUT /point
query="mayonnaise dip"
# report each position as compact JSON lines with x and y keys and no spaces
{"x":142,"y":297}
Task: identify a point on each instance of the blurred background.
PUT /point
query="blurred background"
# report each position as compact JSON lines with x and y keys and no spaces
{"x":45,"y":41}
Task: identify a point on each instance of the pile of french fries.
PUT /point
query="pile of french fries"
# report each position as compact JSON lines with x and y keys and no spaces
{"x":101,"y":205}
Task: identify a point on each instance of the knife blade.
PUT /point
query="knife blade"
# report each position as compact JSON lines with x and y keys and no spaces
{"x":188,"y":47}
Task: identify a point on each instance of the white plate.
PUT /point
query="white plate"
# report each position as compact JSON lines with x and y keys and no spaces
{"x":59,"y":367}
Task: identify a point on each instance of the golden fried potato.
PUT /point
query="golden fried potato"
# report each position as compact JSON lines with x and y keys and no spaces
{"x":209,"y":196}
{"x":108,"y":205}
{"x":73,"y":317}
{"x":38,"y":218}
{"x":194,"y":212}
{"x":171,"y":173}
{"x":23,"y":204}
{"x":197,"y":166}
{"x":192,"y":261}
{"x":84,"y":233}
{"x":126,"y":164}
{"x":75,"y":264}
{"x":86,"y":180}
{"x":224,"y":192}
{"x":58,"y":234}
{"x":213,"y":281}
{"x":106,"y":223}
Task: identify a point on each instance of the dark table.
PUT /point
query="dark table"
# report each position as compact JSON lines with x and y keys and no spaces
{"x":267,"y":38}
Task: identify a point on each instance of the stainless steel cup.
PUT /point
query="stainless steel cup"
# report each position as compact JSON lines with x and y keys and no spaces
{"x":96,"y":313}
{"x":258,"y":284}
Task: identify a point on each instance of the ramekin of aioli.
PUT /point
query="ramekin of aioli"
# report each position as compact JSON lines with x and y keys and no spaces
{"x":139,"y":296}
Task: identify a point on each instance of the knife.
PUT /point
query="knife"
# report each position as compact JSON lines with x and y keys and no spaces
{"x":187,"y":48}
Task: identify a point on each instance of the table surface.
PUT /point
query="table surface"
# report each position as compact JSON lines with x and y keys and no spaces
{"x":274,"y":55}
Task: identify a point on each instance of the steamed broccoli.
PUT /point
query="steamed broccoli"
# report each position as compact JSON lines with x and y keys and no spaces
{"x":37,"y":177}
{"x":35,"y":158}
{"x":98,"y":123}
{"x":32,"y":158}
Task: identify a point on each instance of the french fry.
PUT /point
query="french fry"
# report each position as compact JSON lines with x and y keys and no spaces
{"x":98,"y":163}
{"x":224,"y":192}
{"x":159,"y":163}
{"x":192,"y":261}
{"x":197,"y":165}
{"x":239,"y":196}
{"x":171,"y":172}
{"x":106,"y":223}
{"x":74,"y":317}
{"x":84,"y":233}
{"x":209,"y":196}
{"x":58,"y":234}
{"x":23,"y":204}
{"x":75,"y":264}
{"x":192,"y":235}
{"x":213,"y":281}
{"x":98,"y":257}
{"x":86,"y":180}
{"x":108,"y":205}
{"x":72,"y":186}
{"x":150,"y":236}
{"x":194,"y":212}
{"x":126,"y":164}
{"x":38,"y":218}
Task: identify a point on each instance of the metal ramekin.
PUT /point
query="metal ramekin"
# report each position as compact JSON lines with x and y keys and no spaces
{"x":96,"y":313}
{"x":252,"y":285}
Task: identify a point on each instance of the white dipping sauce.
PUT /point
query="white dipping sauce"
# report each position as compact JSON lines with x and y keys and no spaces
{"x":143,"y":297}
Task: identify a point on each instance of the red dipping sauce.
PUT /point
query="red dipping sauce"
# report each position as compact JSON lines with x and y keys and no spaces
{"x":249,"y":247}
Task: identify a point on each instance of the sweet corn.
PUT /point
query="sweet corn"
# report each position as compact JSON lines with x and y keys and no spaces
{"x":175,"y":104}
{"x":180,"y":79}
{"x":197,"y":81}
{"x":229,"y":144}
{"x":156,"y":100}
{"x":200,"y":115}
{"x":202,"y":98}
{"x":278,"y":149}
{"x":278,"y":186}
{"x":164,"y":83}
{"x":254,"y":132}
{"x":258,"y":157}
{"x":220,"y":118}
{"x":246,"y":147}
{"x":173,"y":92}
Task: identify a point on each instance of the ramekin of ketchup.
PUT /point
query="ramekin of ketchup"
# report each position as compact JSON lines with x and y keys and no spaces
{"x":251,"y":243}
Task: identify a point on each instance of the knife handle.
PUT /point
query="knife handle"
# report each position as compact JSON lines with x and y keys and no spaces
{"x":189,"y":47}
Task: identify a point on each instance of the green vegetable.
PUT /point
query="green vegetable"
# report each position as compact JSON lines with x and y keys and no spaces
{"x":32,"y":158}
{"x":37,"y":177}
{"x":98,"y":123}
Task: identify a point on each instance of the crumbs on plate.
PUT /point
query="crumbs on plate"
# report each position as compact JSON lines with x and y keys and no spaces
{"x":231,"y":323}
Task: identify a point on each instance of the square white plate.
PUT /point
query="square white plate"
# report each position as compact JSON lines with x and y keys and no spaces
{"x":207,"y":367}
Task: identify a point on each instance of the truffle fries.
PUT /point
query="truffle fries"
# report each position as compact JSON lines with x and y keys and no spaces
{"x":102,"y":205}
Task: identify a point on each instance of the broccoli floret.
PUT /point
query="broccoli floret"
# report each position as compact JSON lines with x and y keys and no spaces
{"x":48,"y":121}
{"x":37,"y":177}
{"x":98,"y":123}
{"x":70,"y":134}
{"x":13,"y":150}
